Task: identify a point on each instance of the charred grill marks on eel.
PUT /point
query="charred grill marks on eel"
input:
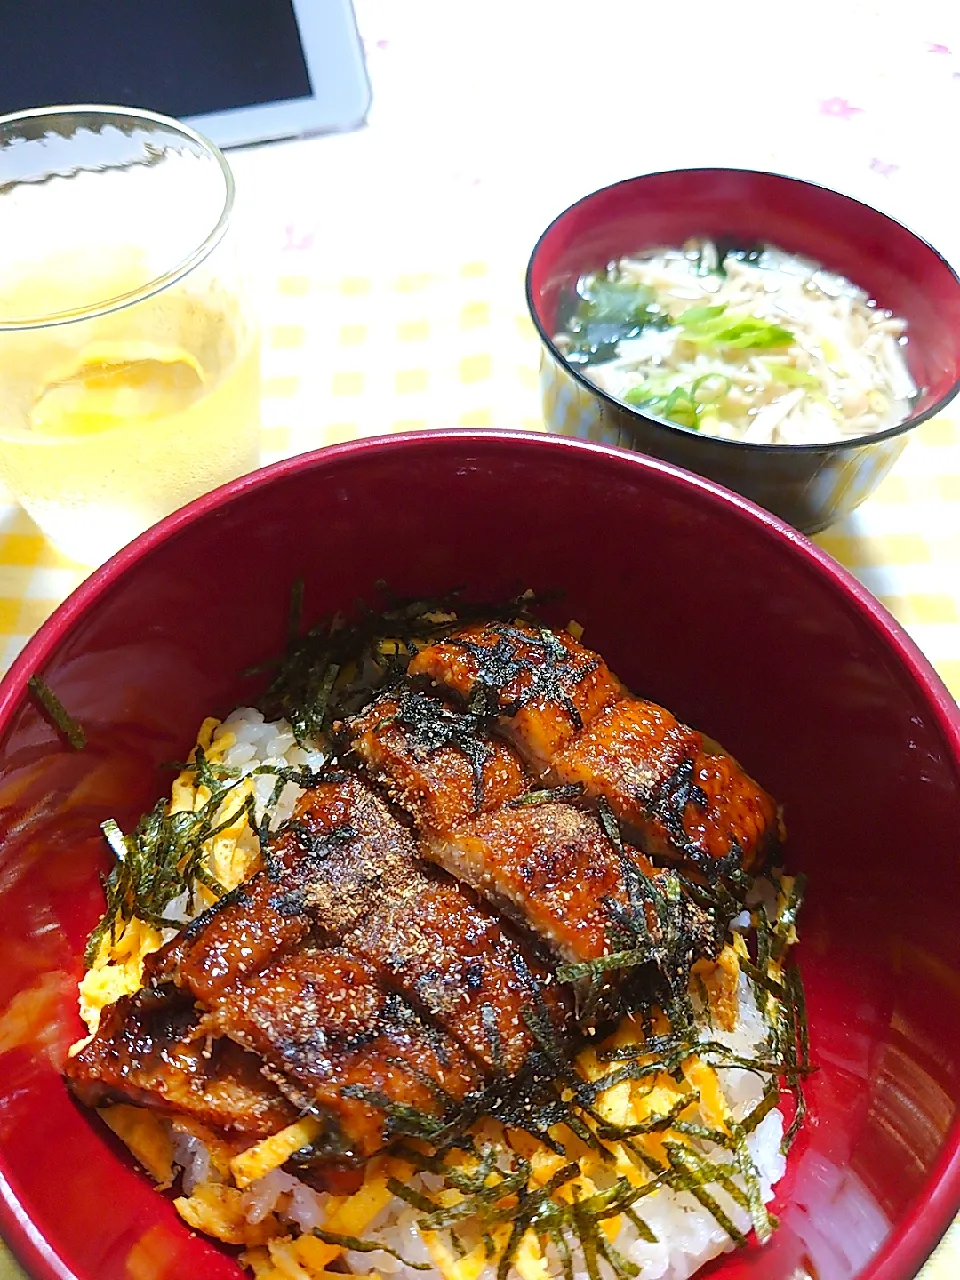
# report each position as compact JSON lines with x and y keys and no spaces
{"x":335,"y":1040}
{"x":678,"y":794}
{"x":150,"y":1049}
{"x":548,"y":865}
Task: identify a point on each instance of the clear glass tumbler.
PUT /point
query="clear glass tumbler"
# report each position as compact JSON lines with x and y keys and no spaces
{"x":129,"y":357}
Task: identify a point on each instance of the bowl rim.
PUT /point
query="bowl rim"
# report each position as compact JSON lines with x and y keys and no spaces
{"x":920,"y":1229}
{"x":633,"y":412}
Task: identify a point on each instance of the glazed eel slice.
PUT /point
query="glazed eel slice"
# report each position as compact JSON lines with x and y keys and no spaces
{"x":312,"y":1032}
{"x":543,"y":684}
{"x":448,"y":955}
{"x":329,"y":862}
{"x":345,"y":869}
{"x":150,"y":1050}
{"x":341,"y":1046}
{"x":547,"y":864}
{"x":678,"y":794}
{"x":435,"y":760}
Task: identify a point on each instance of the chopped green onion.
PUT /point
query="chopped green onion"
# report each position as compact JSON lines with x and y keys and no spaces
{"x":715,"y":327}
{"x":710,"y":388}
{"x":700,"y":315}
{"x":791,"y":375}
{"x":666,"y":399}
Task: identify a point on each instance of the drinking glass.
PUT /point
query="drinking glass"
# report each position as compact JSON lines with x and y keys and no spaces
{"x":129,"y":357}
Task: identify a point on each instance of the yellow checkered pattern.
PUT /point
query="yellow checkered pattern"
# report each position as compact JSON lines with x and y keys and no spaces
{"x":357,"y":355}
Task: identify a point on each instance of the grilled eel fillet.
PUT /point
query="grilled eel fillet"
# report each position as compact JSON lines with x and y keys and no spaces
{"x":345,"y":972}
{"x":317,"y":1022}
{"x":312,"y":1031}
{"x":336,"y":1041}
{"x":679,"y":795}
{"x":548,"y":865}
{"x":345,"y":870}
{"x":150,"y":1050}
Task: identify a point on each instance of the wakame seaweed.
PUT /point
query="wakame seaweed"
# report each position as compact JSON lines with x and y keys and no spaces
{"x":604,"y":310}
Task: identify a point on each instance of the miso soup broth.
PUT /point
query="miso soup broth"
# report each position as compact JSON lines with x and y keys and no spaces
{"x":748,"y":343}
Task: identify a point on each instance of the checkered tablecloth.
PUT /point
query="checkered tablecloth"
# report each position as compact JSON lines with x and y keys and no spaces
{"x":360,"y":354}
{"x":352,"y":355}
{"x":389,"y":262}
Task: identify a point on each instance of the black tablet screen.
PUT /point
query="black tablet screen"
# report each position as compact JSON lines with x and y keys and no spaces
{"x":179,"y":57}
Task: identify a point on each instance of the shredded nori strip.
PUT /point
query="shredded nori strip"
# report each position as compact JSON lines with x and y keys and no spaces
{"x":433,"y":725}
{"x":375,"y":649}
{"x":164,"y":858}
{"x":603,"y":964}
{"x":498,"y":665}
{"x":57,"y":713}
{"x":356,"y":1245}
{"x":547,"y":795}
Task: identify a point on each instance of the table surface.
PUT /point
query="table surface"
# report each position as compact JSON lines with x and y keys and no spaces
{"x":389,"y":262}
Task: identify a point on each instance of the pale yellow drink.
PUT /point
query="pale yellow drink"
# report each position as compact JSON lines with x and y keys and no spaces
{"x":109,"y":424}
{"x":129,"y":372}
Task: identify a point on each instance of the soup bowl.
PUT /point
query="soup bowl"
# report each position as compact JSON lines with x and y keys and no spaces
{"x":700,"y":601}
{"x":809,"y":485}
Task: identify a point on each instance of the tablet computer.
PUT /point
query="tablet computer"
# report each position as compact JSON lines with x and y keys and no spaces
{"x":240,"y":71}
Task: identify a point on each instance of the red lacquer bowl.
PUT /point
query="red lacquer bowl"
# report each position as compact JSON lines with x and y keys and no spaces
{"x":700,"y":601}
{"x":811,"y":485}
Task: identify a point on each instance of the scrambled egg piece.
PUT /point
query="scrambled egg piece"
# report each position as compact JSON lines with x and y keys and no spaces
{"x":146,"y":1136}
{"x":351,"y":1215}
{"x":286,"y":1258}
{"x":274,"y":1151}
{"x":452,"y":1267}
{"x":721,"y":982}
{"x":221,"y":1212}
{"x":117,"y":969}
{"x":232,"y":855}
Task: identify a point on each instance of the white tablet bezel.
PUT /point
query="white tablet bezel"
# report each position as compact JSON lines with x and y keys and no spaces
{"x":341,"y":90}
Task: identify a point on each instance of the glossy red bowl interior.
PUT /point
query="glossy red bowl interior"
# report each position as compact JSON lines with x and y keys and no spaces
{"x":700,"y":601}
{"x":898,"y":269}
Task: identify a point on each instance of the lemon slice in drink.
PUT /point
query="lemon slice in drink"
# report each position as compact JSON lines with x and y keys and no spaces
{"x":112,"y":383}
